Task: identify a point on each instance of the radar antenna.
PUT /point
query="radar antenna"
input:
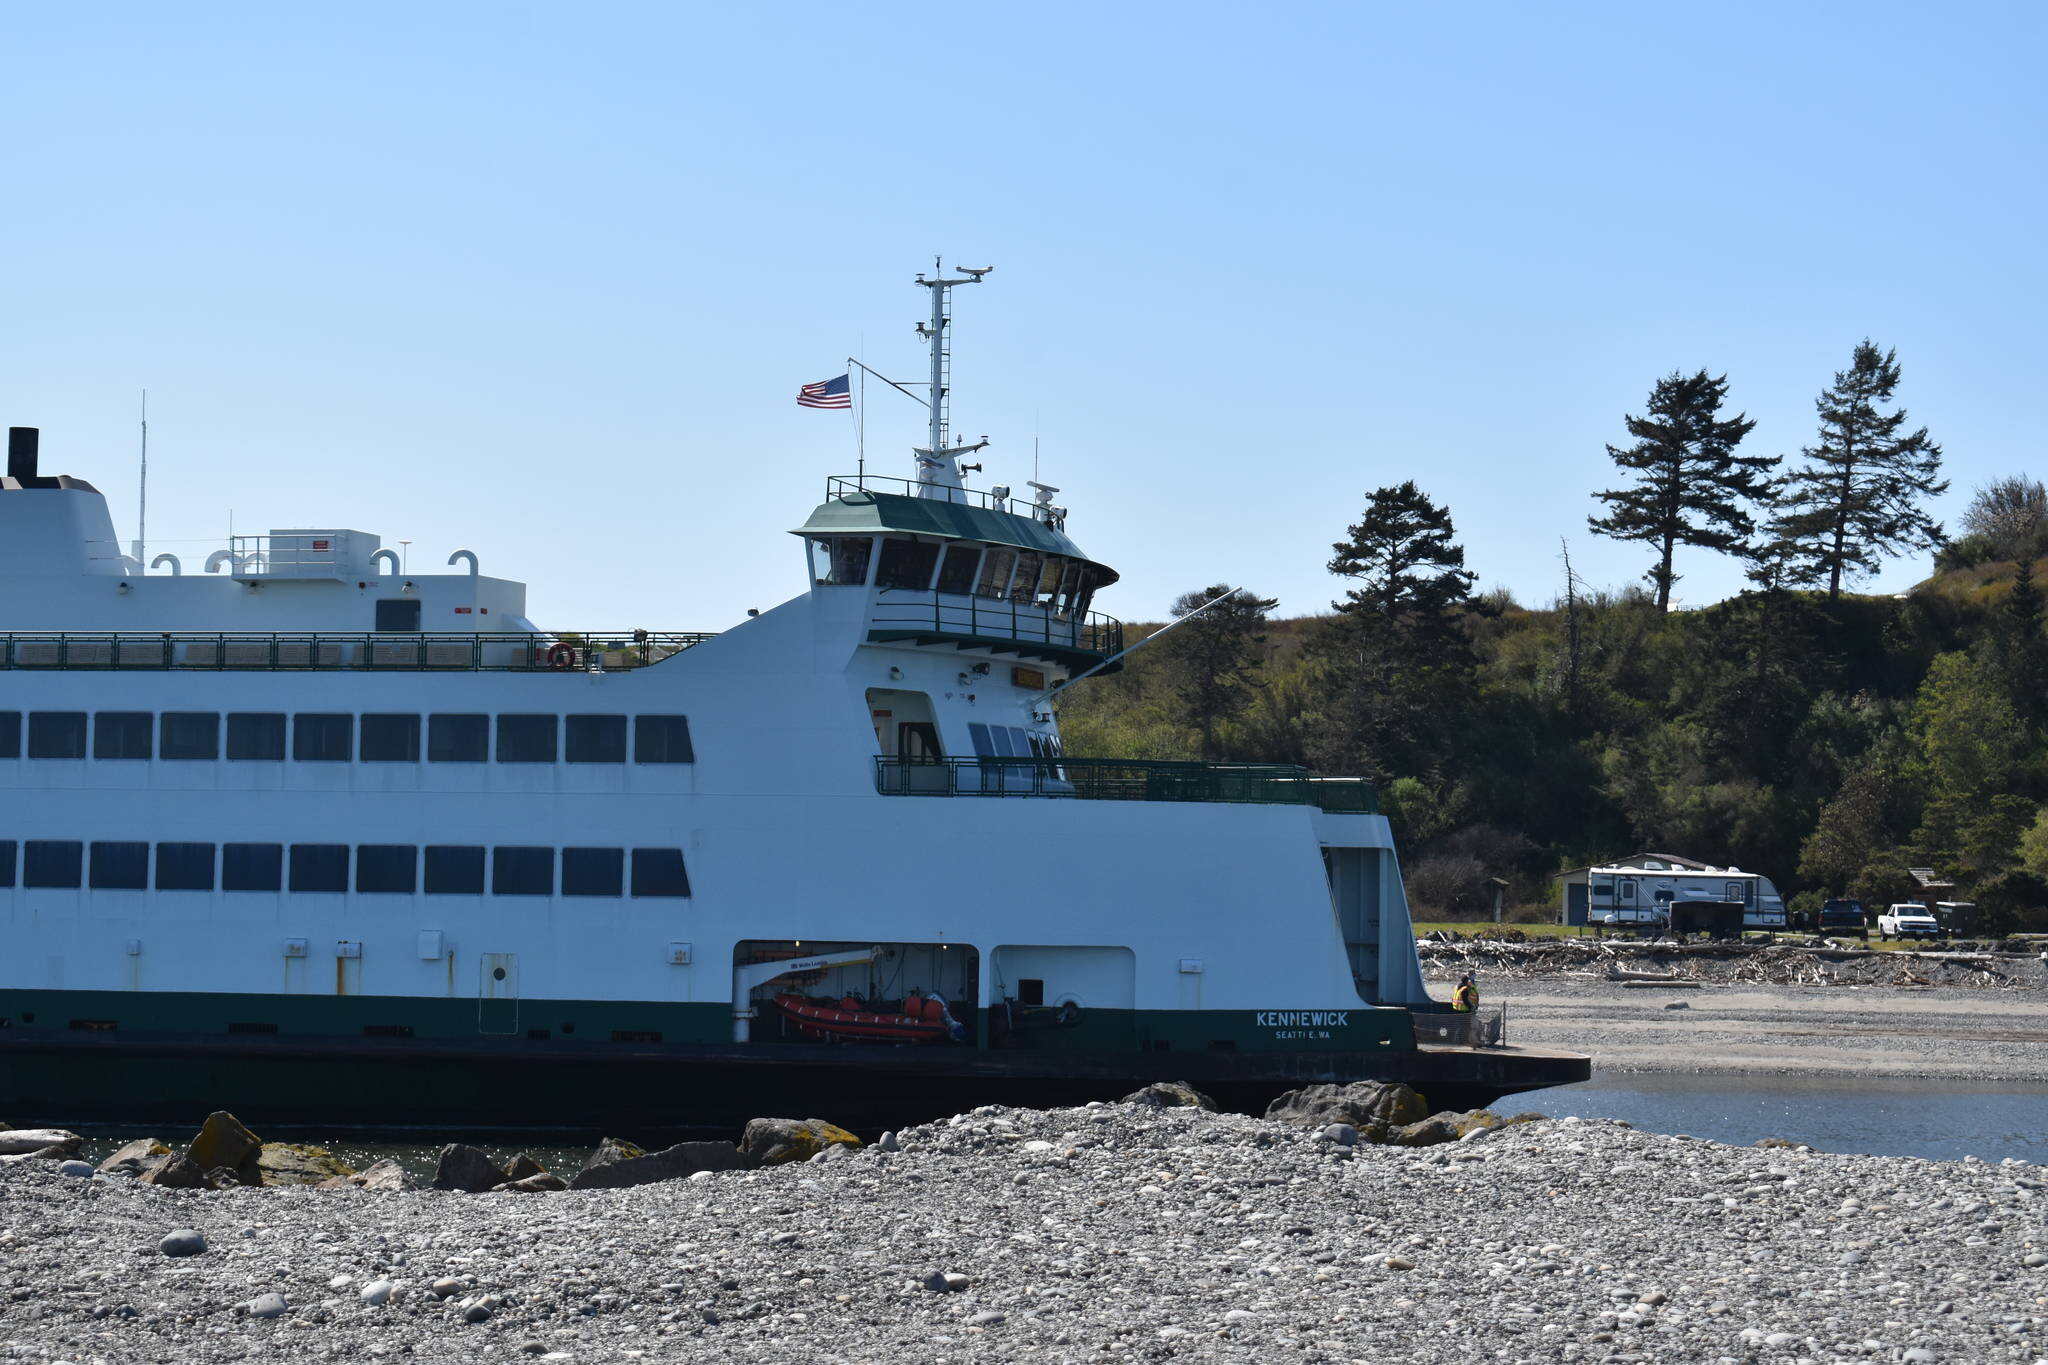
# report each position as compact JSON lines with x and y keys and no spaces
{"x":938,"y":469}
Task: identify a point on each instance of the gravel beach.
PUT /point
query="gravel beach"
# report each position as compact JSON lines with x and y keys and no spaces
{"x":1113,"y":1231}
{"x":1844,"y":1032}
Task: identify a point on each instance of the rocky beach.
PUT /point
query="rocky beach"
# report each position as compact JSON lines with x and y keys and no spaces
{"x":1110,"y":1231}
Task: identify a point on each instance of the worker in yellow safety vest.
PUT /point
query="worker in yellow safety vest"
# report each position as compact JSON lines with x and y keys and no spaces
{"x":1465,"y":999}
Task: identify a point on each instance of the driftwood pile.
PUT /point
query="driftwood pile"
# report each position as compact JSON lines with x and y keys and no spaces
{"x":1662,"y":962}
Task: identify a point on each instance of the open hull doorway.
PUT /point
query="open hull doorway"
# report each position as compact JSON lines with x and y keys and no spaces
{"x":831,"y":992}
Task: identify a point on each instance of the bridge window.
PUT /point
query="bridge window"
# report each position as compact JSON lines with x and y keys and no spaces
{"x":52,"y":863}
{"x":387,"y":869}
{"x":659,"y":872}
{"x":458,"y":739}
{"x":189,"y":735}
{"x":956,"y":571}
{"x":56,"y":734}
{"x":454,"y":871}
{"x":1049,"y":582}
{"x":184,"y":867}
{"x":662,"y":739}
{"x":391,"y":739}
{"x":255,"y":735}
{"x":323,"y":737}
{"x":597,"y":739}
{"x":977,"y":733}
{"x":251,"y":867}
{"x":123,"y":734}
{"x":1071,"y":586}
{"x":906,"y":564}
{"x":1029,"y":565}
{"x":319,"y":867}
{"x":10,"y":734}
{"x":593,"y":871}
{"x":995,"y":573}
{"x":526,"y":739}
{"x":842,"y":561}
{"x":120,"y":866}
{"x":523,"y":871}
{"x":6,"y":862}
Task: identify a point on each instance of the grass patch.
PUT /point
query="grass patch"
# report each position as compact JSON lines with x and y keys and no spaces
{"x":1469,"y":927}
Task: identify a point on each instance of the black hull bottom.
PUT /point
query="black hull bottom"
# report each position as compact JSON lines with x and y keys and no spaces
{"x":84,"y":1079}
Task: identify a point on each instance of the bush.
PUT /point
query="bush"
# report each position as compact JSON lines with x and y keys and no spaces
{"x":1450,"y":887}
{"x":2012,"y":903}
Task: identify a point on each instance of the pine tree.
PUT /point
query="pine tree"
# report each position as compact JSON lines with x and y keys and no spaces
{"x":2023,"y":647}
{"x":1690,"y":484}
{"x":1396,"y":661}
{"x":1861,"y":492}
{"x":1217,"y":659}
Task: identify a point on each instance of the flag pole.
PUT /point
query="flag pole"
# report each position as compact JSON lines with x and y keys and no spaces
{"x":860,"y":424}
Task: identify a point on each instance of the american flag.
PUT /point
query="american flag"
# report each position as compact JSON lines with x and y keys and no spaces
{"x":827,"y":393}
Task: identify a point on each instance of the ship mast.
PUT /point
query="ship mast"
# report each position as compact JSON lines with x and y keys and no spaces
{"x":938,"y":467}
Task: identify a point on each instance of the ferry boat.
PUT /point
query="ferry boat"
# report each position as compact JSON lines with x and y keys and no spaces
{"x":295,"y":831}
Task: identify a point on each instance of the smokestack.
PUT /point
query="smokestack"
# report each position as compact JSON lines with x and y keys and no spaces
{"x":23,"y":444}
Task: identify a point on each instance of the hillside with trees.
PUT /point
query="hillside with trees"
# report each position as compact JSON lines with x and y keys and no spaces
{"x":1828,"y":739}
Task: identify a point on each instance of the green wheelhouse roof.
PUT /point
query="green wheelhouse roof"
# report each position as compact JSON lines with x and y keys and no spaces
{"x":866,"y":513}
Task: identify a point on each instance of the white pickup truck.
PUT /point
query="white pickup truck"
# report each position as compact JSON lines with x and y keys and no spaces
{"x":1908,"y":919}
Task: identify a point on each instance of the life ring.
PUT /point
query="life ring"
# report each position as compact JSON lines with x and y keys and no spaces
{"x":561,"y":656}
{"x":1068,"y":1015}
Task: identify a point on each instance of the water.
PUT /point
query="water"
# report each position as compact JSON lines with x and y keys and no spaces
{"x":1944,"y":1121}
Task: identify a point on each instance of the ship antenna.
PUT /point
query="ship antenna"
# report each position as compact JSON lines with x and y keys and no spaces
{"x":938,"y":471}
{"x":142,"y":509}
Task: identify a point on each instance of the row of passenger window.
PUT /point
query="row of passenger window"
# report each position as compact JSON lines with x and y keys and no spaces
{"x":380,"y":869}
{"x":338,"y":737}
{"x":1010,"y":741}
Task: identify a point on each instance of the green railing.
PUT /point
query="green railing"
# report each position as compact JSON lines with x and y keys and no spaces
{"x":1116,"y":779}
{"x":842,"y":486}
{"x":951,"y":616}
{"x":323,"y":651}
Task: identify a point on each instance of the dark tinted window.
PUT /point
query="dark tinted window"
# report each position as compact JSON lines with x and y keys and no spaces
{"x":593,"y":871}
{"x":188,"y":734}
{"x":387,"y":869}
{"x":120,"y":867}
{"x":523,"y":871}
{"x":319,"y":867}
{"x":956,"y":574}
{"x":662,"y":739}
{"x":978,"y":733}
{"x":458,"y":739}
{"x":906,"y":564}
{"x":10,"y":734}
{"x":319,"y":737}
{"x":659,"y":872}
{"x":526,"y":739}
{"x":391,"y":739}
{"x":597,"y":739}
{"x":251,"y":867}
{"x":6,"y":862}
{"x":52,"y":862}
{"x":398,"y":613}
{"x":56,"y":734}
{"x":122,"y":734}
{"x":255,"y":734}
{"x":184,"y":867}
{"x":454,"y":871}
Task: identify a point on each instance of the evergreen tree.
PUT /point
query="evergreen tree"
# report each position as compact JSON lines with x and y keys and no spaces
{"x":2023,"y":649}
{"x":1861,"y":492}
{"x":1689,"y":482}
{"x":1396,"y":661}
{"x":1217,"y":659}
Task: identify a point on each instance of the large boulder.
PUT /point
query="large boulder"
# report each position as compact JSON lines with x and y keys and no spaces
{"x":378,"y":1175}
{"x":129,"y":1160}
{"x":463,"y":1167}
{"x":298,"y":1163}
{"x":173,"y":1171}
{"x":671,"y":1163}
{"x":1374,"y":1108}
{"x":1445,"y":1127}
{"x":1171,"y":1095}
{"x":523,"y":1167}
{"x":33,"y":1141}
{"x":610,"y":1150}
{"x":773,"y":1142}
{"x":223,"y":1141}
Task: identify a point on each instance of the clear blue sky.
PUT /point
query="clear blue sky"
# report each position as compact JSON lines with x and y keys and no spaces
{"x":542,"y":280}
